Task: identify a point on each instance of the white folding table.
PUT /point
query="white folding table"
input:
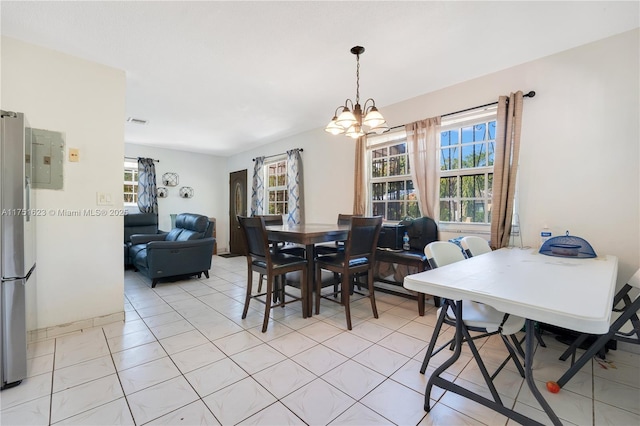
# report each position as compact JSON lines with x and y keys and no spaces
{"x":572,"y":293}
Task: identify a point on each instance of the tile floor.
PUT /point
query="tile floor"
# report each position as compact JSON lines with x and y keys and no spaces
{"x":184,"y":356}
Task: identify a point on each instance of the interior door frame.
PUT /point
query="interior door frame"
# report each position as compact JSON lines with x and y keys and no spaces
{"x":237,"y":206}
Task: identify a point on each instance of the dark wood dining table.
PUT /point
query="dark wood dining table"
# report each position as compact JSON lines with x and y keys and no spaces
{"x":308,"y":235}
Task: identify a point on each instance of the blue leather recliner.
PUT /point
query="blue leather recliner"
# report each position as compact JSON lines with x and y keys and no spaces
{"x":186,"y":250}
{"x":138,"y":223}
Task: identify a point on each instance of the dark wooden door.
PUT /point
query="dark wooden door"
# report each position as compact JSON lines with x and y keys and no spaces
{"x":237,"y":206}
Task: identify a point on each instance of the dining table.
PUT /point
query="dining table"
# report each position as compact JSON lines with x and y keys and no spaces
{"x":569,"y":292}
{"x":308,"y":235}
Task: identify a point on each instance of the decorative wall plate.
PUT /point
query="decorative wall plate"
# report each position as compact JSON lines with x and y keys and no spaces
{"x":170,"y":179}
{"x":162,"y":192}
{"x":186,"y":192}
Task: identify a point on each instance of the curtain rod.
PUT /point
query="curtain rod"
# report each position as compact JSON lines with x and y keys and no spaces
{"x":276,"y":155}
{"x":136,"y":158}
{"x":531,"y":94}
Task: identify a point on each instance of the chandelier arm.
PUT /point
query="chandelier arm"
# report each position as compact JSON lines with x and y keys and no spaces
{"x":366,"y":108}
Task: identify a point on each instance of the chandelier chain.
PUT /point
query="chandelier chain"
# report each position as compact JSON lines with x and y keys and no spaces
{"x":357,"y":79}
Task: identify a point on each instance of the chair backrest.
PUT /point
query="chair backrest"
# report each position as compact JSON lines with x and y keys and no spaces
{"x":440,"y":253}
{"x":345,"y":219}
{"x":255,"y":237}
{"x":189,"y":226}
{"x":271,"y":219}
{"x":363,"y":237}
{"x":474,"y":246}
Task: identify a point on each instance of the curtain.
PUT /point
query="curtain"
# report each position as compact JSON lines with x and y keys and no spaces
{"x":360,"y":178}
{"x":422,"y":144}
{"x":257,"y":188}
{"x":294,"y":187}
{"x":147,"y":195}
{"x":505,"y":167}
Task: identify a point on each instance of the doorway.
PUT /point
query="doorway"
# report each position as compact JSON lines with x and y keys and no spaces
{"x":237,"y":207}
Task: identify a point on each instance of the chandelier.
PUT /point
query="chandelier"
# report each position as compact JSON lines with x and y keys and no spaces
{"x":348,"y":118}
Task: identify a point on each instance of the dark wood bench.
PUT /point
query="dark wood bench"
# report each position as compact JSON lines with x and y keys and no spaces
{"x":421,"y":232}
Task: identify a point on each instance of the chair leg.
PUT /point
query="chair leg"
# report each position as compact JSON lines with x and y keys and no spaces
{"x":372,"y":294}
{"x":260,"y":282}
{"x":267,"y":306}
{"x":206,"y":273}
{"x":303,"y":294}
{"x":247,"y":297}
{"x":344,"y":291}
{"x":153,"y":283}
{"x":318,"y":288}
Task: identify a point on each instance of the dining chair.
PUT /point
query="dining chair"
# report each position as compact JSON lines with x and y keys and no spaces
{"x":476,"y":317}
{"x":272,"y":264}
{"x":276,"y":219}
{"x":358,"y":257}
{"x":331,"y":248}
{"x":474,"y":246}
{"x":625,"y":325}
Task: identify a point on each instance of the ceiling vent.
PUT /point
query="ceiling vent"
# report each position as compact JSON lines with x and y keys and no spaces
{"x":136,"y":120}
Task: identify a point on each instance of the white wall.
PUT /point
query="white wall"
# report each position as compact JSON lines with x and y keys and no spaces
{"x":79,"y":259}
{"x":579,"y":158}
{"x":206,"y":174}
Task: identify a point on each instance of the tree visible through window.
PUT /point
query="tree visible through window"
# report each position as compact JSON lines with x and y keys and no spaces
{"x":277,"y":196}
{"x":392,"y":195}
{"x":466,"y":172}
{"x":130,"y":182}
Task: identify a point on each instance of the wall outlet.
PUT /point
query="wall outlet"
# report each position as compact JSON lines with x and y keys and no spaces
{"x":74,"y":155}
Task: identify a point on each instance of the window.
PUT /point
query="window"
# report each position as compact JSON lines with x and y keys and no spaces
{"x":391,"y":192}
{"x":277,"y":195}
{"x":466,"y":170}
{"x":130,"y":182}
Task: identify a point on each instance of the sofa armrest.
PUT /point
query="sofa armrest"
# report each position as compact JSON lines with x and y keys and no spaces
{"x":173,"y":245}
{"x":145,"y":238}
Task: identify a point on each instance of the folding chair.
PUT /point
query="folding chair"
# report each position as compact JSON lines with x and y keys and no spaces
{"x":625,"y":327}
{"x":476,"y":317}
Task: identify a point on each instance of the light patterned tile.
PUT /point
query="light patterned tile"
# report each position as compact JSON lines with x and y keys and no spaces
{"x":358,"y":415}
{"x":197,"y":357}
{"x":39,"y":365}
{"x":195,"y":413}
{"x":31,"y":388}
{"x":305,"y":402}
{"x":163,"y":398}
{"x":257,"y":358}
{"x":184,"y":341}
{"x":239,"y":401}
{"x":320,"y":331}
{"x":112,"y":413}
{"x":145,"y":375}
{"x":87,"y":396}
{"x":319,"y":359}
{"x":130,"y":340}
{"x":274,"y":414}
{"x":381,"y":359}
{"x":609,"y":415}
{"x":237,"y":342}
{"x":617,"y":394}
{"x":397,"y":403}
{"x":138,"y":355}
{"x":292,"y":343}
{"x":354,"y":379}
{"x":83,"y":372}
{"x":370,"y":331}
{"x":32,"y":413}
{"x":215,"y":376}
{"x":284,"y":377}
{"x":440,"y":414}
{"x":347,"y":344}
{"x":80,"y":347}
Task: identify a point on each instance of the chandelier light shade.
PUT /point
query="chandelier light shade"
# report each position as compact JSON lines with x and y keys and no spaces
{"x":355,"y":120}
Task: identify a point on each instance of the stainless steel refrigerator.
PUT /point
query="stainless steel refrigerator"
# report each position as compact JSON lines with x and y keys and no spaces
{"x":17,"y":256}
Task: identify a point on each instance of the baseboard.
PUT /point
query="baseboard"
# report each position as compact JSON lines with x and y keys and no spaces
{"x":72,"y":327}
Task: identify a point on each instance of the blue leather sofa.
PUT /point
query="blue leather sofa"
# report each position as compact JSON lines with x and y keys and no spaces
{"x":184,"y":251}
{"x":138,"y":223}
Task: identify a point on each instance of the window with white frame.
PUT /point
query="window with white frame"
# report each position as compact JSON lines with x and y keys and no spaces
{"x":390,"y":187}
{"x":276,"y":195}
{"x":130,"y":182}
{"x":467,"y":151}
{"x":466,"y":154}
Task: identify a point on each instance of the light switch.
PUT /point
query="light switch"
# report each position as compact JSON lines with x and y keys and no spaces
{"x":103,"y":199}
{"x":74,"y":155}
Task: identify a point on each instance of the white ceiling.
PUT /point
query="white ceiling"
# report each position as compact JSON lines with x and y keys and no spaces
{"x":224,"y":77}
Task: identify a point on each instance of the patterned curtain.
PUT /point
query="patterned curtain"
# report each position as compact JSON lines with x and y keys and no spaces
{"x":257,"y":188}
{"x":147,"y":195}
{"x":505,"y":167}
{"x":295,"y":187}
{"x":422,"y":144}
